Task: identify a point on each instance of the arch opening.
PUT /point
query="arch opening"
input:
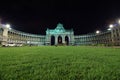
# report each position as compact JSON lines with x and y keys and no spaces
{"x":52,"y":40}
{"x":66,"y":40}
{"x":59,"y":40}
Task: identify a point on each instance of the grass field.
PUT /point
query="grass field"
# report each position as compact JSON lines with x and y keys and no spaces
{"x":59,"y":63}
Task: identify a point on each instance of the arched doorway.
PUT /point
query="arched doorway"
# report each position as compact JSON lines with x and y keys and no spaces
{"x":59,"y":40}
{"x":52,"y":40}
{"x":67,"y":40}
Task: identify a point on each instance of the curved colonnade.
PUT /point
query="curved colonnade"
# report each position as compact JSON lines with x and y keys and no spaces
{"x":110,"y":37}
{"x":8,"y":36}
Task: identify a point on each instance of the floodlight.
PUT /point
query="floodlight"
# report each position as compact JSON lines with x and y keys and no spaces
{"x":10,"y":28}
{"x":111,"y":26}
{"x":119,"y":21}
{"x":109,"y":29}
{"x":7,"y":25}
{"x":97,"y":32}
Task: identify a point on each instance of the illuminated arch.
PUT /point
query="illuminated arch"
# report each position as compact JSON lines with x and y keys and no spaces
{"x":59,"y":40}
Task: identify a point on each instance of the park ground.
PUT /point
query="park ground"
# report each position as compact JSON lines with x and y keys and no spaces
{"x":60,"y":63}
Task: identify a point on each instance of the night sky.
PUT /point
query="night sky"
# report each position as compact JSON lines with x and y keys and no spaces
{"x":83,"y":16}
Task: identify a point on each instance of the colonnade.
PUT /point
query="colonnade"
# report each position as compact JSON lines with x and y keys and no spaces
{"x":94,"y":39}
{"x":111,"y":37}
{"x":116,"y":35}
{"x":17,"y":37}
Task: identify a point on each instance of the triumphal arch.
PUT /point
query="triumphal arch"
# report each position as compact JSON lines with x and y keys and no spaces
{"x":59,"y":36}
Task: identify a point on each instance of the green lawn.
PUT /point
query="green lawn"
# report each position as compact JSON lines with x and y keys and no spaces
{"x":59,"y":63}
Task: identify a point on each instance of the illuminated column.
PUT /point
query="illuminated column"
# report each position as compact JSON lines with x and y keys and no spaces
{"x":56,"y":39}
{"x":63,"y":39}
{"x":71,"y":39}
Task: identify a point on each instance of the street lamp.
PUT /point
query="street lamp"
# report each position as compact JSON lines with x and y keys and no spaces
{"x":7,"y":25}
{"x":97,"y":32}
{"x":110,"y":26}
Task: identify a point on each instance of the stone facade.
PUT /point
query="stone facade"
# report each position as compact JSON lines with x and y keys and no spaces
{"x":115,"y":35}
{"x":103,"y":38}
{"x":59,"y":36}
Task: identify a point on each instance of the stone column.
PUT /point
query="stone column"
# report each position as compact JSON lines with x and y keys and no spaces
{"x":56,"y":39}
{"x":47,"y":39}
{"x":63,"y":39}
{"x":71,"y":39}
